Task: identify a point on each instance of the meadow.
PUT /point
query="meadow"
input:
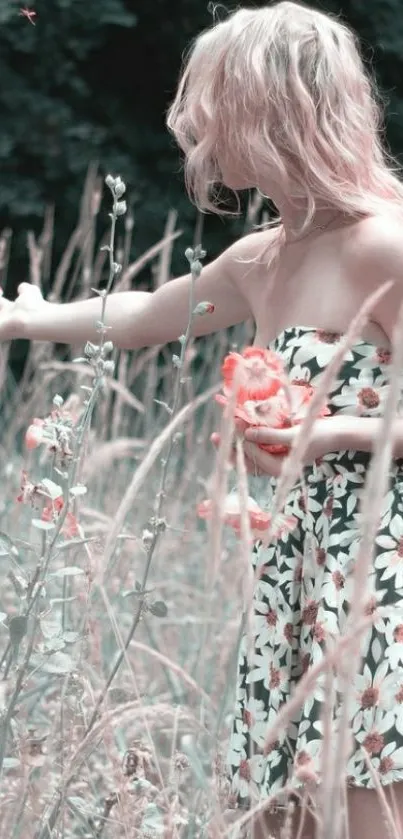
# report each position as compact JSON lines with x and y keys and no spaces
{"x":120,"y":611}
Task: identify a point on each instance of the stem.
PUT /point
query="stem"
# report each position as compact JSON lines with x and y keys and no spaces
{"x":47,"y":549}
{"x":158,"y":508}
{"x":5,"y":722}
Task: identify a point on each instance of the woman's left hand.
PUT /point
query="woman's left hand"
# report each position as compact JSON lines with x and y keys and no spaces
{"x":327,"y":434}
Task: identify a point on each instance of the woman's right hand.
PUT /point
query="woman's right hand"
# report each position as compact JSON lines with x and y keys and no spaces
{"x":14,"y":315}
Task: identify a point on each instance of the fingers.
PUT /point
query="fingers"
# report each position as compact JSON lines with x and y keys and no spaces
{"x":252,"y":467}
{"x":266,"y":463}
{"x":28,"y":288}
{"x":270,"y":435}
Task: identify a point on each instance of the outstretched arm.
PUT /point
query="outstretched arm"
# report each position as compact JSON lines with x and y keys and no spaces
{"x":136,"y":318}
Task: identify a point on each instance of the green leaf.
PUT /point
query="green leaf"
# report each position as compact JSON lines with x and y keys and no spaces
{"x":54,"y":490}
{"x":50,"y":627}
{"x":80,"y":804}
{"x":68,"y":571}
{"x":53,"y":645}
{"x":11,"y":762}
{"x":7,"y":546}
{"x":17,"y":627}
{"x":58,"y":664}
{"x":19,"y":582}
{"x":78,"y":490}
{"x":43,"y":525}
{"x":159,"y":609}
{"x":70,"y":637}
{"x":71,"y":543}
{"x":62,"y":599}
{"x":153,"y":820}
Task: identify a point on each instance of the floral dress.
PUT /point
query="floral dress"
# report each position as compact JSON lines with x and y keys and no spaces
{"x":302,"y":595}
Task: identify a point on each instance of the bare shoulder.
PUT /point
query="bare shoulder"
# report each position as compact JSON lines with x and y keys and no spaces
{"x":246,"y":256}
{"x":376,"y":248}
{"x":376,"y":256}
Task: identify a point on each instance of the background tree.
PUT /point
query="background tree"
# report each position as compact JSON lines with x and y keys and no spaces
{"x":92,"y":81}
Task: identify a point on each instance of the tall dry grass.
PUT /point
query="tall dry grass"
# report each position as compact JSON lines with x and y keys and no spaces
{"x":146,"y":757}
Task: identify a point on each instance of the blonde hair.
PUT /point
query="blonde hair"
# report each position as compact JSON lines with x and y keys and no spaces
{"x":284,"y":89}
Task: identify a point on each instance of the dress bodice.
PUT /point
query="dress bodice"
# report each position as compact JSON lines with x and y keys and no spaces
{"x":361,"y":385}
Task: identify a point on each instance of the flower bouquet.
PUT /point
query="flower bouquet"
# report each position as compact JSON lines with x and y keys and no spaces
{"x":265,"y":396}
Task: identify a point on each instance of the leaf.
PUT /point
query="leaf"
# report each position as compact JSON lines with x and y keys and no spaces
{"x":10,"y":762}
{"x":50,"y":627}
{"x":159,"y":609}
{"x":43,"y":525}
{"x":78,"y":490}
{"x":68,"y":571}
{"x":153,"y":820}
{"x":71,"y":543}
{"x":54,"y":490}
{"x":17,"y":627}
{"x":62,"y":600}
{"x":21,"y":543}
{"x":3,"y":617}
{"x":70,"y":637}
{"x":136,"y":591}
{"x":19,"y":582}
{"x":80,"y":804}
{"x":53,"y":645}
{"x":7,"y":546}
{"x":58,"y":664}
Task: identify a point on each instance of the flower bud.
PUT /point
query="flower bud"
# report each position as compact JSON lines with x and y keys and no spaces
{"x":199,"y":253}
{"x":196,"y":268}
{"x":120,"y":188}
{"x":58,"y":400}
{"x":110,"y":181}
{"x":109,"y":368}
{"x":108,"y":347}
{"x":189,"y":253}
{"x":116,"y":266}
{"x":204,"y":308}
{"x":120,"y":208}
{"x":90,"y":350}
{"x":147,"y":538}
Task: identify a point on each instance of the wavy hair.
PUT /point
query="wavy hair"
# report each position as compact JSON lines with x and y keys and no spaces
{"x":285,"y":91}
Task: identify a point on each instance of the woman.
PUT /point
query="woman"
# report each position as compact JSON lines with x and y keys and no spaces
{"x":277,"y":99}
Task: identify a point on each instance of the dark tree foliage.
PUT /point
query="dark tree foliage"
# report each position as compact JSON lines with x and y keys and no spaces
{"x":92,"y":81}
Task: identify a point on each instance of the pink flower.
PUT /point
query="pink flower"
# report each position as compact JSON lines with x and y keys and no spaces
{"x":51,"y":512}
{"x":34,"y":434}
{"x":30,"y":492}
{"x":259,"y":521}
{"x":286,"y":407}
{"x":36,"y":495}
{"x":258,"y":372}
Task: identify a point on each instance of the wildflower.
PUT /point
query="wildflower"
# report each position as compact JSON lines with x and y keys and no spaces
{"x":204,"y":308}
{"x":265,"y":396}
{"x":34,"y":434}
{"x":55,"y":431}
{"x":259,"y":520}
{"x":30,"y":492}
{"x":51,"y":512}
{"x":259,"y":373}
{"x":38,"y":495}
